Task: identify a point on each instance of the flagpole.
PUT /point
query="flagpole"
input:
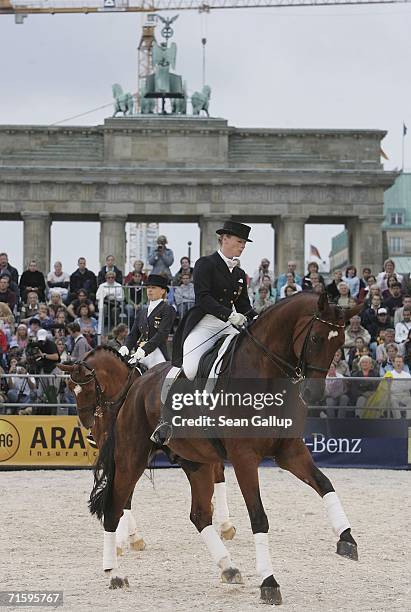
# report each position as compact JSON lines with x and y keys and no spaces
{"x":404,"y":133}
{"x":402,"y":159}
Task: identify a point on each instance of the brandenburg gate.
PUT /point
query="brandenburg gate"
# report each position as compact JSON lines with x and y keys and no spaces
{"x":191,"y":169}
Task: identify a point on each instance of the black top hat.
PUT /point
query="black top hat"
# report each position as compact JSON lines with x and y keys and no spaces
{"x":156,"y":280}
{"x":235,"y":229}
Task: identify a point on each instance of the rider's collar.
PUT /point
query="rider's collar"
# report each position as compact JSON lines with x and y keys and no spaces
{"x":231,"y":263}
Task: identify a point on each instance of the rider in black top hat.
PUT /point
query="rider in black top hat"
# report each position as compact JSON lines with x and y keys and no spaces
{"x":152,"y":325}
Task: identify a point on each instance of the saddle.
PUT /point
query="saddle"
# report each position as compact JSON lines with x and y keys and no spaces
{"x":211,"y":365}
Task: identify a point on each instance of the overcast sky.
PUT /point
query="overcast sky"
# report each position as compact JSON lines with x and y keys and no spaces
{"x":317,"y":67}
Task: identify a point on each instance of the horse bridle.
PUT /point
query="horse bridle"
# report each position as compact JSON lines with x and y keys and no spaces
{"x":102,"y":403}
{"x":296,"y":373}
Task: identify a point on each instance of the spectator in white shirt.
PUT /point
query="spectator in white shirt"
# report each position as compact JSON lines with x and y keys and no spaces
{"x":389,"y":269}
{"x":400,"y":390}
{"x":110,"y":297}
{"x":58,"y":281}
{"x":399,"y":312}
{"x":403,"y":327}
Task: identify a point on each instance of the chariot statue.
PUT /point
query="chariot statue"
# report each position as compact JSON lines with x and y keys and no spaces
{"x":163,"y":83}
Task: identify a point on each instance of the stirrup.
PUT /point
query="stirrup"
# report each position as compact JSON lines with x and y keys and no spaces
{"x":162,"y":434}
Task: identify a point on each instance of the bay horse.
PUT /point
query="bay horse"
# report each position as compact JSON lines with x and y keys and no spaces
{"x":297,"y":336}
{"x":102,"y":382}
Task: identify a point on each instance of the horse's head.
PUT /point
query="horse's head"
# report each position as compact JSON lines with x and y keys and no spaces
{"x":82,"y":383}
{"x":316,"y":337}
{"x":117,"y":90}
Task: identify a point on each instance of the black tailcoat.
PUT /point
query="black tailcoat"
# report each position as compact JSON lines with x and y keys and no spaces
{"x":216,"y":291}
{"x":152,"y":330}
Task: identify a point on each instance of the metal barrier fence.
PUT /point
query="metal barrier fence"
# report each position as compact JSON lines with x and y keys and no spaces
{"x":118,"y":304}
{"x":38,"y":392}
{"x":362,"y":397}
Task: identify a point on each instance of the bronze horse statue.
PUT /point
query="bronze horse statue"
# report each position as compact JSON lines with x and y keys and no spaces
{"x":297,"y":337}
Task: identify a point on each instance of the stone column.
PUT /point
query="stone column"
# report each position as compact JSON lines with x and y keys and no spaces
{"x":208,"y":237}
{"x":365,"y":246}
{"x":36,"y":239}
{"x":289,"y":244}
{"x":113,"y":238}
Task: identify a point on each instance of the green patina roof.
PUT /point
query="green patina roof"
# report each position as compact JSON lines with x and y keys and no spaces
{"x":398,"y":198}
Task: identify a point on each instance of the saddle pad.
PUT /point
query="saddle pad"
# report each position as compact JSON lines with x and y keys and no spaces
{"x":211,"y":362}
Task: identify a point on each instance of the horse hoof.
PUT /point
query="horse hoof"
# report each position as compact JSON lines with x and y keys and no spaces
{"x":347,"y":549}
{"x":231,"y":576}
{"x":271,"y":595}
{"x":138,"y":544}
{"x":118,"y":583}
{"x":228,"y":534}
{"x":120,"y":551}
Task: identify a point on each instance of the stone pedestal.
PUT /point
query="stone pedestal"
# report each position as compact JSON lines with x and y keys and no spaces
{"x":365,"y":244}
{"x":36,"y":239}
{"x":113,"y":238}
{"x":208,"y":237}
{"x":289,"y":244}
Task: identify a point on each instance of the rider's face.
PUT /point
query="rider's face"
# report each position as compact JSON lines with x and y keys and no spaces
{"x":232,"y":246}
{"x":154,"y":293}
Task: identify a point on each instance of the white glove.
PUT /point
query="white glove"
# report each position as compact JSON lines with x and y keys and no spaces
{"x":138,"y":355}
{"x":237,"y":319}
{"x":123,"y":351}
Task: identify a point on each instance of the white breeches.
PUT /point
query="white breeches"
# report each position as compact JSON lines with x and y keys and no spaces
{"x":153,"y":358}
{"x":201,"y":339}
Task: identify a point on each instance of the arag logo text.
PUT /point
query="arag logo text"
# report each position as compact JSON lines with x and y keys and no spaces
{"x":9,"y":440}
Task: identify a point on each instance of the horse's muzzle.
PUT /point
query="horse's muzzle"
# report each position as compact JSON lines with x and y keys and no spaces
{"x":312,"y":390}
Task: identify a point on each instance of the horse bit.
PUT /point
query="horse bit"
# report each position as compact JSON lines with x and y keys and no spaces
{"x":102,"y":404}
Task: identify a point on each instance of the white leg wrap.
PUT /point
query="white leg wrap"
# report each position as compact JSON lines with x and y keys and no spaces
{"x":335,"y":513}
{"x":262,"y":556}
{"x":109,"y":551}
{"x":122,"y":531}
{"x":132,"y":526}
{"x":222,"y":513}
{"x":218,"y":551}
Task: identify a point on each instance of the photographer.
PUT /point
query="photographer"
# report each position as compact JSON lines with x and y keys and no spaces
{"x":42,"y":357}
{"x":19,"y":388}
{"x":162,"y":259}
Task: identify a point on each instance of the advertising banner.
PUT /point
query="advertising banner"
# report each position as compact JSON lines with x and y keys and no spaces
{"x":44,"y":441}
{"x":368,"y":443}
{"x":52,"y":441}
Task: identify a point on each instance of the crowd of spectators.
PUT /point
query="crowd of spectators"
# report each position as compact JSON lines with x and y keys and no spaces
{"x":47,"y":320}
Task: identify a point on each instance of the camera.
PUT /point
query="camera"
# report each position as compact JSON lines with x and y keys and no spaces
{"x":33,"y":356}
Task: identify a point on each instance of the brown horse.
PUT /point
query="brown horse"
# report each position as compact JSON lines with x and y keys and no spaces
{"x":102,"y":382}
{"x":299,"y":337}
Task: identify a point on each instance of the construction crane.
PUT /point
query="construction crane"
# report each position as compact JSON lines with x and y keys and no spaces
{"x":28,"y":7}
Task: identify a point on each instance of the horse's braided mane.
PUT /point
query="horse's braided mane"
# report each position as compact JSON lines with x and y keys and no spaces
{"x":110,"y":349}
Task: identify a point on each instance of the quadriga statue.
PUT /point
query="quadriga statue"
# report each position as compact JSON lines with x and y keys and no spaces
{"x":200,"y":100}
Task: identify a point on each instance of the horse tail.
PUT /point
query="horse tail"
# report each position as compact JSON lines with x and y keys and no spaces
{"x":104,"y":471}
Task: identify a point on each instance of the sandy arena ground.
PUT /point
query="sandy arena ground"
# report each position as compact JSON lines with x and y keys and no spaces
{"x":49,"y":541}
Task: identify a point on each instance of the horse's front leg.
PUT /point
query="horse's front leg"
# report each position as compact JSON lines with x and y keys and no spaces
{"x":129,"y":468}
{"x":221,"y":511}
{"x":295,"y":457}
{"x":246,"y":470}
{"x":202,"y":485}
{"x":127,"y":534}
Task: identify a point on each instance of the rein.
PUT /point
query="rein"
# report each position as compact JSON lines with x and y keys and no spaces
{"x":297,"y":373}
{"x":102,"y":403}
